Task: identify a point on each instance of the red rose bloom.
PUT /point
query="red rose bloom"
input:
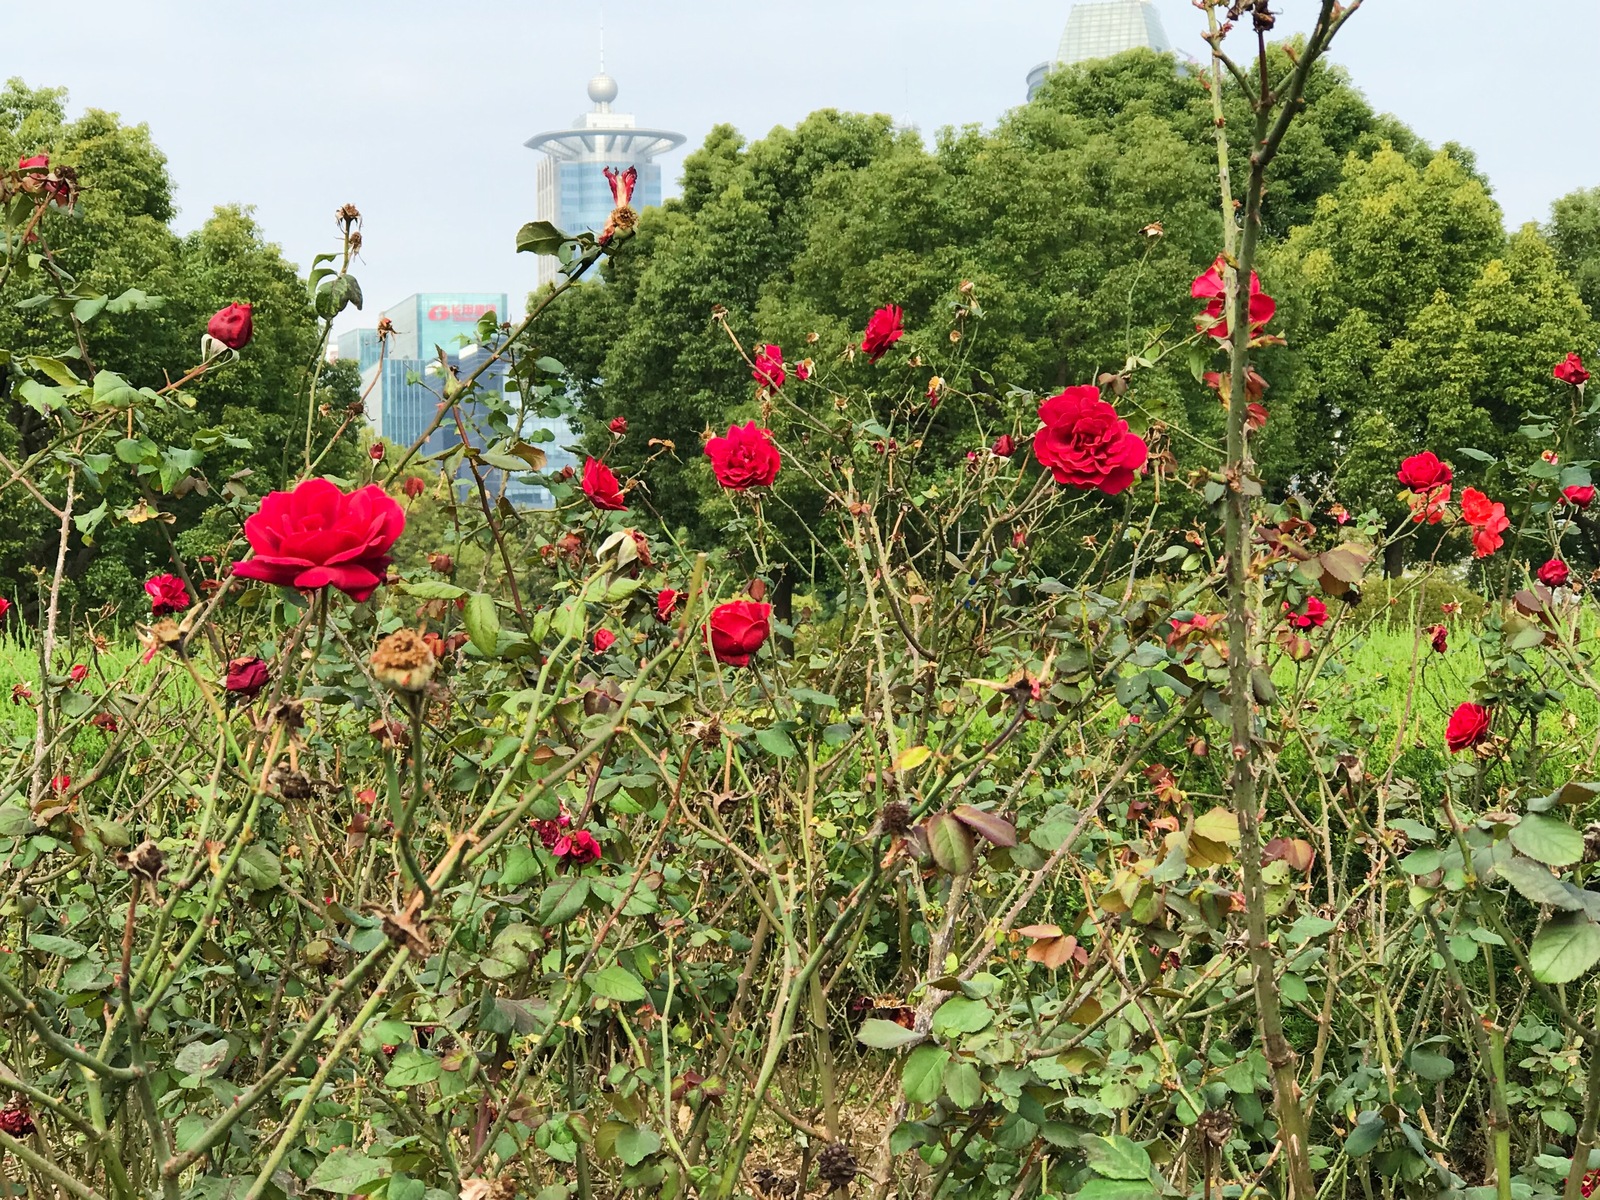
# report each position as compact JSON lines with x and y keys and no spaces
{"x":1553,"y":574}
{"x":604,"y":639}
{"x":167,"y":594}
{"x":231,"y":326}
{"x":5,"y":606}
{"x":737,"y":629}
{"x":744,"y":458}
{"x":60,"y":784}
{"x":16,"y":1121}
{"x":1469,"y":725}
{"x":601,"y":486}
{"x":36,"y":162}
{"x":1313,"y":616}
{"x":1003,"y":446}
{"x":883,"y":331}
{"x":78,"y":673}
{"x":1424,"y":472}
{"x":1210,"y":287}
{"x":1579,"y":495}
{"x":1439,"y":635}
{"x":768,"y":370}
{"x":666,"y":603}
{"x":1571,"y":370}
{"x":578,"y":848}
{"x":618,"y":425}
{"x":317,"y":536}
{"x":1085,"y":444}
{"x":246,"y":677}
{"x":1488,"y":521}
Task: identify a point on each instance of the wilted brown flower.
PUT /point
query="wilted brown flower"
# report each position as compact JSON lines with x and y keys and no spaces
{"x":403,"y":661}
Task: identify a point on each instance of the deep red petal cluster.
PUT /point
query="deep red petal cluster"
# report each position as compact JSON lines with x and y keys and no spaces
{"x":738,"y":629}
{"x":1085,"y":444}
{"x":744,"y":457}
{"x":884,"y":329}
{"x":600,"y":484}
{"x":1210,"y":287}
{"x":318,"y":536}
{"x":232,"y":326}
{"x":1468,"y":726}
{"x":167,"y":594}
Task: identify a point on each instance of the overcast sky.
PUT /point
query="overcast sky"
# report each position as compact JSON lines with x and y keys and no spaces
{"x":416,"y":112}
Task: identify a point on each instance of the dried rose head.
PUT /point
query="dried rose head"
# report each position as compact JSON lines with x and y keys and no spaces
{"x":403,"y":661}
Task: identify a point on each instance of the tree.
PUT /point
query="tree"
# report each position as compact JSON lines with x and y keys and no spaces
{"x":1574,"y":232}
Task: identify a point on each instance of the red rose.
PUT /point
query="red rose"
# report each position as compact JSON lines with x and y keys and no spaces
{"x":1488,"y":520}
{"x":414,"y":486}
{"x":37,"y":162}
{"x":78,"y":673}
{"x":15,"y":1120}
{"x":1086,"y":444}
{"x":744,"y":458}
{"x":737,"y":630}
{"x":5,"y":605}
{"x":1313,"y":616}
{"x":1424,"y":472}
{"x":883,"y":331}
{"x":768,"y":369}
{"x":1439,"y":634}
{"x":803,"y":369}
{"x":316,"y":536}
{"x":577,"y":848}
{"x":604,"y":639}
{"x":666,"y":603}
{"x":1210,"y":287}
{"x":1003,"y":446}
{"x":167,"y":594}
{"x":1553,"y":574}
{"x":618,"y":425}
{"x":1571,"y":370}
{"x":231,"y":326}
{"x":376,"y":452}
{"x":1469,"y":725}
{"x":60,"y":784}
{"x":1579,"y":495}
{"x":600,"y":485}
{"x":246,"y":677}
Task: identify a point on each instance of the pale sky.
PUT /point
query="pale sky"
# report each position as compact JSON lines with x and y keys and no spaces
{"x":416,"y":112}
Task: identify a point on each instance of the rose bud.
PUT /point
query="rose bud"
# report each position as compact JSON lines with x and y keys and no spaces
{"x":78,"y":673}
{"x":414,"y":486}
{"x":403,"y":661}
{"x":618,"y":425}
{"x":246,"y":677}
{"x":377,"y":452}
{"x":442,"y":564}
{"x":232,"y":326}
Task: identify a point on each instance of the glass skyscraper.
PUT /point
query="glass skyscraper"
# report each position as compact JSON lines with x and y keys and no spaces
{"x":572,"y":191}
{"x":1100,"y":29}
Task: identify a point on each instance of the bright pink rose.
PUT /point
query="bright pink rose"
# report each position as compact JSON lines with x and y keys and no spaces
{"x":601,"y":486}
{"x":1209,"y":286}
{"x":231,"y":326}
{"x":744,"y":458}
{"x":317,"y":536}
{"x":577,"y":848}
{"x":737,"y":630}
{"x":1468,"y":726}
{"x":768,"y":370}
{"x":167,"y":594}
{"x":5,"y":606}
{"x":1571,"y":370}
{"x":1553,"y":574}
{"x":1085,"y":444}
{"x":883,"y":331}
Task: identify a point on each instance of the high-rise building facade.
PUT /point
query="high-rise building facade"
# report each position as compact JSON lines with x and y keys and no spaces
{"x":1100,"y":29}
{"x":572,"y":191}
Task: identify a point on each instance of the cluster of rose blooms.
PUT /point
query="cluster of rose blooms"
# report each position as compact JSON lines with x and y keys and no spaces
{"x":567,"y":845}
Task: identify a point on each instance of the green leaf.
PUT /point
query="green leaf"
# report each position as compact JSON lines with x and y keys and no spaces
{"x":483,"y":622}
{"x":885,"y":1035}
{"x":201,"y":1058}
{"x":62,"y":947}
{"x":1475,"y":454}
{"x":347,"y":1173}
{"x":775,"y":740}
{"x":411,"y":1068}
{"x":549,"y":365}
{"x":521,"y":866}
{"x":1535,"y":883}
{"x":1564,"y":949}
{"x":963,"y":1085}
{"x":1431,"y":1066}
{"x":616,"y":983}
{"x":259,"y":867}
{"x":992,"y":826}
{"x":923,"y":1072}
{"x":1364,"y":1138}
{"x":961,"y":1015}
{"x":634,"y":1145}
{"x":1116,"y":1157}
{"x":951,"y":844}
{"x":560,"y":902}
{"x":1548,"y":840}
{"x":433,"y":589}
{"x":539,"y":237}
{"x":1115,"y":1189}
